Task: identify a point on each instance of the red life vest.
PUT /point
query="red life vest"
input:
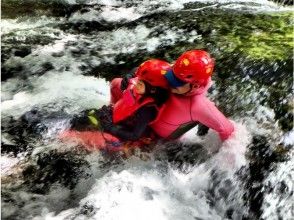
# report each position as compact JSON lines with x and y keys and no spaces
{"x":129,"y":103}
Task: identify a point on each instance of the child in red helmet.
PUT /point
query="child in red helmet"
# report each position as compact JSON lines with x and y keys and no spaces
{"x":133,"y":108}
{"x":137,"y":106}
{"x":189,"y":79}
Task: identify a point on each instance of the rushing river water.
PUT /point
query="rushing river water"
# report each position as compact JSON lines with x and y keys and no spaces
{"x":59,"y":55}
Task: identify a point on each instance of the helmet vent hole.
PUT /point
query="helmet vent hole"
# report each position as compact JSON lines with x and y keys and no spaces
{"x":189,"y":76}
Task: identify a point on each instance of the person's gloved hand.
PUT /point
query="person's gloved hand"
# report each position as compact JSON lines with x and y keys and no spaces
{"x":202,"y":129}
{"x":125,"y":81}
{"x":106,"y":125}
{"x":104,"y":113}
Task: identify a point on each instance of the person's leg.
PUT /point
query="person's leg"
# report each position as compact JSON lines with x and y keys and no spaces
{"x":90,"y":119}
{"x":115,"y":90}
{"x":85,"y":120}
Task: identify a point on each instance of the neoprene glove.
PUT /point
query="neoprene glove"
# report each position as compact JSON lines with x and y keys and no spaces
{"x":85,"y":120}
{"x":105,"y":113}
{"x":202,"y":129}
{"x":107,"y":125}
{"x":125,"y":81}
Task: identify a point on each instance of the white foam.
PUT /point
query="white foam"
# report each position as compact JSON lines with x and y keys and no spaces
{"x":143,"y":190}
{"x":92,"y":15}
{"x":7,"y":163}
{"x":278,"y":202}
{"x":105,"y":2}
{"x":231,"y":155}
{"x":15,"y":25}
{"x":45,"y":54}
{"x":232,"y":152}
{"x":119,"y":11}
{"x":79,"y":92}
{"x":154,"y":193}
{"x":111,"y":14}
{"x":148,"y":194}
{"x":129,"y":40}
{"x":262,"y":3}
{"x":125,"y":40}
{"x":288,"y":138}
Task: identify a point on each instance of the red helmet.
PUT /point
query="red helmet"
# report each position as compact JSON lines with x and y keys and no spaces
{"x":152,"y":71}
{"x":194,"y":66}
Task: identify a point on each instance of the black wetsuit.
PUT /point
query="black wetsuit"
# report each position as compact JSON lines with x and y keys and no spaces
{"x":130,"y":129}
{"x":134,"y":127}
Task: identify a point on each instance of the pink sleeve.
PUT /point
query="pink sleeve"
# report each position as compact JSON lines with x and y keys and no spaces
{"x":208,"y":114}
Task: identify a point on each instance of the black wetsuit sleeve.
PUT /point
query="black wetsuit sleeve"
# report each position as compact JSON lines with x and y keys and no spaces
{"x":143,"y":117}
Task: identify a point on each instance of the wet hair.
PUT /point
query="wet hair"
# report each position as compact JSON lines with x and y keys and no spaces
{"x":159,"y":94}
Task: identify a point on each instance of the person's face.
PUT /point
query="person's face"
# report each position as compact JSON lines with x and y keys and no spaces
{"x":182,"y":89}
{"x":140,"y":87}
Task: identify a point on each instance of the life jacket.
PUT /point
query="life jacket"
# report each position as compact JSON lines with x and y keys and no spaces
{"x":129,"y":103}
{"x":183,"y":112}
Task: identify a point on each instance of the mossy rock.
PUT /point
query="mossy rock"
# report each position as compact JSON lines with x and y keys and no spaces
{"x":257,"y":36}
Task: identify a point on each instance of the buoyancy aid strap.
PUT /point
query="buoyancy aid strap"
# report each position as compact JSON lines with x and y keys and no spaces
{"x":152,"y":104}
{"x":159,"y":112}
{"x":182,"y":130}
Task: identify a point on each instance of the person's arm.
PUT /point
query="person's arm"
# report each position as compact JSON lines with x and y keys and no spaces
{"x":209,"y":115}
{"x":118,"y":85}
{"x":143,"y":116}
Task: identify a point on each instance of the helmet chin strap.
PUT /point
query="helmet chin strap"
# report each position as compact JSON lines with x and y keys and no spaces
{"x":153,"y":90}
{"x":194,"y":86}
{"x":191,"y":88}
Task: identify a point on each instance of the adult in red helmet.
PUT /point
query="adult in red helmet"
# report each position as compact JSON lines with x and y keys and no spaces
{"x":136,"y":106}
{"x":189,"y":79}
